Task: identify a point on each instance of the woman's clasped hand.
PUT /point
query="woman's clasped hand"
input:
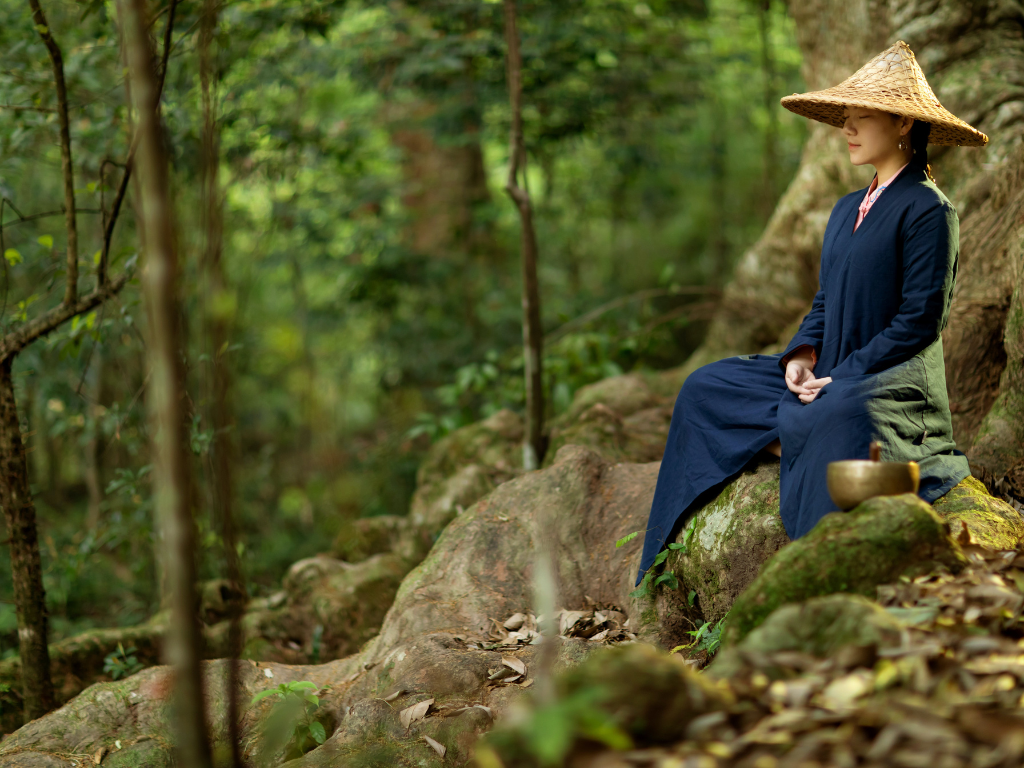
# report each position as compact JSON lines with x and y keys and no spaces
{"x":800,"y":376}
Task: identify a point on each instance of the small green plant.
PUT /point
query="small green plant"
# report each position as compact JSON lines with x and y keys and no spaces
{"x":122,"y":662}
{"x":291,"y":726}
{"x":706,"y":637}
{"x":650,"y":581}
{"x":550,"y":731}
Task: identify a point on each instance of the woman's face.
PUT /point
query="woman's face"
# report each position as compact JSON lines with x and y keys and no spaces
{"x":873,"y":136}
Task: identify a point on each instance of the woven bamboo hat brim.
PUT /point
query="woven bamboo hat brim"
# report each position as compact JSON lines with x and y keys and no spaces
{"x":892,"y":82}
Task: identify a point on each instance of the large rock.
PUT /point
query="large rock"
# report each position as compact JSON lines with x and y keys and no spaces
{"x":875,"y":543}
{"x":364,"y":537}
{"x":632,"y":693}
{"x":482,"y":566}
{"x":626,"y":395}
{"x":730,"y":539}
{"x":128,"y":722}
{"x":347,"y":601}
{"x":820,"y":627}
{"x":463,"y":466}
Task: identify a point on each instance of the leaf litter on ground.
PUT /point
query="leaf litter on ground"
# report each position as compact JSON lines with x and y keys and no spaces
{"x":949,"y":695}
{"x":607,"y":626}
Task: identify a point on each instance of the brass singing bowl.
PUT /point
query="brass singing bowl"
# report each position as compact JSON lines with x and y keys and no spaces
{"x":851,"y":482}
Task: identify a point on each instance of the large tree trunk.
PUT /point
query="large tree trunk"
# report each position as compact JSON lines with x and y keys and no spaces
{"x":26,"y":566}
{"x":973,"y":55}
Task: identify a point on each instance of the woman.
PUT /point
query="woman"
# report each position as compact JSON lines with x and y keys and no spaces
{"x":866,"y":363}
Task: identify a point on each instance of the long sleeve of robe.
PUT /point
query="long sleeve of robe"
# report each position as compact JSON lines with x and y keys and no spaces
{"x":875,"y":326}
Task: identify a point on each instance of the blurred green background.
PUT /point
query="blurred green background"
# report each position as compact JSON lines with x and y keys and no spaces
{"x":372,"y":253}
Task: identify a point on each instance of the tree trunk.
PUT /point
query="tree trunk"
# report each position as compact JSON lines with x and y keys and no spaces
{"x":973,"y":54}
{"x":67,"y":167}
{"x":165,"y":399}
{"x":218,"y":316}
{"x":26,"y":566}
{"x":533,"y":334}
{"x":771,"y":162}
{"x":93,"y":462}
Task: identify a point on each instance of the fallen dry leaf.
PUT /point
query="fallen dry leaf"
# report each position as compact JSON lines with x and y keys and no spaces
{"x":514,"y":622}
{"x":418,"y":711}
{"x":513,"y":663}
{"x":436,"y":745}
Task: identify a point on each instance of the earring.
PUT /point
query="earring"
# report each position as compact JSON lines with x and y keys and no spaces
{"x":903,"y":144}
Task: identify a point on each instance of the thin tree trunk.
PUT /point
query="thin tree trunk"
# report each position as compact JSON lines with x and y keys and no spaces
{"x":26,"y":564}
{"x":718,"y":245}
{"x":218,"y":315}
{"x":533,"y":336}
{"x":306,"y":401}
{"x":764,"y":17}
{"x":93,"y":462}
{"x":67,"y":169}
{"x":165,"y":399}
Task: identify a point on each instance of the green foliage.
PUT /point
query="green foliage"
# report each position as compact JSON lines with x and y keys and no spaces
{"x":122,"y":662}
{"x":627,"y":538}
{"x":650,"y":580}
{"x":550,"y":731}
{"x":355,"y":339}
{"x":291,"y":727}
{"x":707,"y":637}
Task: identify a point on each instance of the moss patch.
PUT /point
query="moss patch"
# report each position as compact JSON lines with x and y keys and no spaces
{"x":874,"y":544}
{"x":820,"y":627}
{"x":992,"y":522}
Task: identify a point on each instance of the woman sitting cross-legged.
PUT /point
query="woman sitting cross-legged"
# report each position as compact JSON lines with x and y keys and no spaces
{"x":866,"y":363}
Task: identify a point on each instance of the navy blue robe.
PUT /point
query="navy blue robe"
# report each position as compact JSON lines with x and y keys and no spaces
{"x":875,"y":324}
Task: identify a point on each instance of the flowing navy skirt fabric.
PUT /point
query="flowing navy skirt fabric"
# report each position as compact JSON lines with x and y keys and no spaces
{"x":726,"y":413}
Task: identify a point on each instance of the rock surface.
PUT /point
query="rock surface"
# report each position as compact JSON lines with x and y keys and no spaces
{"x":875,"y":543}
{"x":482,"y":566}
{"x":821,"y":627}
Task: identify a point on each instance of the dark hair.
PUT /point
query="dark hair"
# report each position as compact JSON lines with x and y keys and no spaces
{"x":919,"y":133}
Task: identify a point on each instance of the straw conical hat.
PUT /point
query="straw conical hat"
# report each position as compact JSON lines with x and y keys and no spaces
{"x":892,"y":82}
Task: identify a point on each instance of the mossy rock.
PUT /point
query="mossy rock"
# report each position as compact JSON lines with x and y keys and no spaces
{"x":494,"y":442}
{"x":77,"y":662}
{"x":361,"y":539}
{"x":853,"y":552}
{"x":728,"y":541}
{"x":625,"y":395}
{"x":437,"y":504}
{"x":348,"y":601}
{"x":645,"y":693}
{"x":148,"y":753}
{"x":819,"y":627}
{"x":639,"y":437}
{"x":991,"y":522}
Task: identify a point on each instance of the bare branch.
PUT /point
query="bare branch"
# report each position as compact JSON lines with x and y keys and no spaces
{"x":122,"y":190}
{"x":71,"y":292}
{"x":19,"y":108}
{"x":19,"y":338}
